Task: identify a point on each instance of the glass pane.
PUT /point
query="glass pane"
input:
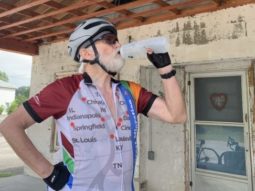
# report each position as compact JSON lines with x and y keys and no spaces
{"x":218,"y":99}
{"x":220,"y":148}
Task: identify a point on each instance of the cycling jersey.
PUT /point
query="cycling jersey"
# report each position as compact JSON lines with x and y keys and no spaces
{"x":96,"y":149}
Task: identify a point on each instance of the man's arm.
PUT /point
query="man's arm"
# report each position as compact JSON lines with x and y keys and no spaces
{"x":13,"y":129}
{"x":171,"y":108}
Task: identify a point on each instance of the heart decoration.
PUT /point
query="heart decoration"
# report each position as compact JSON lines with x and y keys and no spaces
{"x":218,"y":100}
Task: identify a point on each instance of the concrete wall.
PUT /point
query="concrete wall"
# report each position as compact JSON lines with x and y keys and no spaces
{"x":206,"y":38}
{"x":165,"y":170}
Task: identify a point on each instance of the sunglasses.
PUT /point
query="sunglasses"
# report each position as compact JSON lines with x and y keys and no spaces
{"x":109,"y":39}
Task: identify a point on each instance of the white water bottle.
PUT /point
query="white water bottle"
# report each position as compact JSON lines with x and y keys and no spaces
{"x":137,"y":49}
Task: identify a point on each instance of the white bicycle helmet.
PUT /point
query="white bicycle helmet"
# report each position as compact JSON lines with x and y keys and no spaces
{"x":86,"y":33}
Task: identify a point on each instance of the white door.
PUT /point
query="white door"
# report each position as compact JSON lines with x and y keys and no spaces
{"x":220,"y":132}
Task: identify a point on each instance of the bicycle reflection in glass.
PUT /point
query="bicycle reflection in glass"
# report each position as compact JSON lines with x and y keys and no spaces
{"x":230,"y":161}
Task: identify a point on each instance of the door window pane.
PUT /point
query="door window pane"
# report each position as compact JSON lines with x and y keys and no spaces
{"x":218,"y":99}
{"x":220,"y":148}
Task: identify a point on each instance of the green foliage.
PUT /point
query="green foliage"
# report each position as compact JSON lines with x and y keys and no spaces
{"x":22,"y":95}
{"x":4,"y":175}
{"x":3,"y":76}
{"x":12,"y":107}
{"x":1,"y":109}
{"x":23,"y":91}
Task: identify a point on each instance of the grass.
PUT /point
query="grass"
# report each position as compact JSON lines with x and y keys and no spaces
{"x":4,"y":175}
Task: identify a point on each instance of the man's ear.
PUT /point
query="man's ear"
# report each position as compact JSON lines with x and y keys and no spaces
{"x":86,"y":53}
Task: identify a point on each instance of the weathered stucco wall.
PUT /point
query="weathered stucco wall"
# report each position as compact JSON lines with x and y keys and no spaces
{"x":222,"y":35}
{"x":205,"y":38}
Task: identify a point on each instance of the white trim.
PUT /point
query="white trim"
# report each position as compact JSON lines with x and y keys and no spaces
{"x":247,"y":126}
{"x":217,"y":123}
{"x":230,"y":65}
{"x":221,"y":61}
{"x":225,"y":176}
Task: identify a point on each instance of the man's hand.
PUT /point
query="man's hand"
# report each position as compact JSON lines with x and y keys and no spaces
{"x":159,"y":60}
{"x":58,"y":178}
{"x":171,"y":107}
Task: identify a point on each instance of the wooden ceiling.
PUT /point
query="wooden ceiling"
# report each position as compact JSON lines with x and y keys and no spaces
{"x":27,"y":24}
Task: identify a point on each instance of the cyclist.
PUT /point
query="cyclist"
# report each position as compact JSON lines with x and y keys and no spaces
{"x":95,"y":115}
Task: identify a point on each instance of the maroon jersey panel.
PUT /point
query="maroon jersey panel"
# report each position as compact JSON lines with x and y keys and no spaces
{"x":53,"y":100}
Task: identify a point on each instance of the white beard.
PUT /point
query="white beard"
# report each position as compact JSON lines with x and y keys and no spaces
{"x":81,"y":69}
{"x":113,"y":62}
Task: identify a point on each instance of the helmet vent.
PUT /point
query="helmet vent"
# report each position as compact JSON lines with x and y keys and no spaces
{"x":95,"y":24}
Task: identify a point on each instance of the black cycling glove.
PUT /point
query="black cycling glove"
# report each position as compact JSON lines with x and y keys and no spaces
{"x":59,"y":177}
{"x":159,"y":60}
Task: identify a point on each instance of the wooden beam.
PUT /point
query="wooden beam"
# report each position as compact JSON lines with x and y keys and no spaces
{"x":79,"y":18}
{"x":50,"y":35}
{"x":9,"y":31}
{"x":23,"y":7}
{"x":161,"y":3}
{"x":134,"y":15}
{"x":124,"y":12}
{"x":189,"y":12}
{"x":160,"y":10}
{"x":56,"y":5}
{"x":26,"y":13}
{"x":110,"y":5}
{"x":187,"y":8}
{"x":233,"y":3}
{"x":52,"y":13}
{"x":164,"y":4}
{"x":153,"y":17}
{"x":14,"y":45}
{"x":218,"y":2}
{"x":160,"y":18}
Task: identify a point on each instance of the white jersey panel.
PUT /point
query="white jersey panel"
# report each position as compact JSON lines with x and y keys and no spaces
{"x":96,"y":150}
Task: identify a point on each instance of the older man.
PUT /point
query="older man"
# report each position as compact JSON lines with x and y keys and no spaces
{"x":95,"y":114}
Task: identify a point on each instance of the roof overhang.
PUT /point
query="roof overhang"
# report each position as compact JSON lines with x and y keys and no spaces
{"x":25,"y":26}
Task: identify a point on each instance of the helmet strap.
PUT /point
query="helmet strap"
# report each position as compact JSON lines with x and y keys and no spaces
{"x":96,"y":60}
